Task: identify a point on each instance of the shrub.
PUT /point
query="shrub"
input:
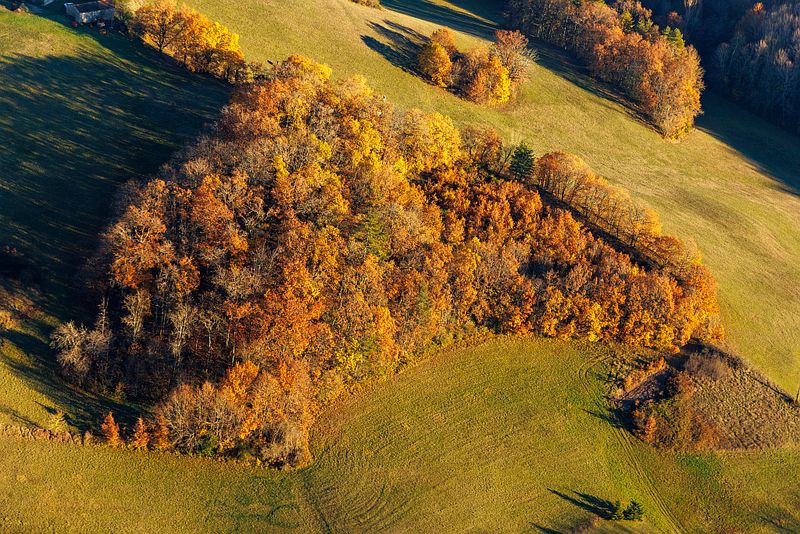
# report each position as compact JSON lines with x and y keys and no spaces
{"x":634,"y":511}
{"x":707,"y":364}
{"x":617,"y":512}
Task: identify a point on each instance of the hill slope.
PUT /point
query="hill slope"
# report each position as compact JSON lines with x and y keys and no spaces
{"x":512,"y":434}
{"x":85,"y":113}
{"x":732,"y":185}
{"x":508,"y":436}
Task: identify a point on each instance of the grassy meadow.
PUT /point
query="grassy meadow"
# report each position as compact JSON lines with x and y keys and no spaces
{"x":732,"y":185}
{"x":509,"y":436}
{"x":81,"y":114}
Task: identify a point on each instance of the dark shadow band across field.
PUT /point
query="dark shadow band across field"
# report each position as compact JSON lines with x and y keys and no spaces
{"x":81,"y":115}
{"x":769,"y":148}
{"x":474,"y":17}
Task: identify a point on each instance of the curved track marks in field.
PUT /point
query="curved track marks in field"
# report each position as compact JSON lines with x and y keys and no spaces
{"x":625,"y":440}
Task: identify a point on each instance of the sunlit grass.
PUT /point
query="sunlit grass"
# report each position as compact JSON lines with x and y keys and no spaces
{"x":732,"y":185}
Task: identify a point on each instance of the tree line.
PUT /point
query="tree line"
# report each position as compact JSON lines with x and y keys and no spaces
{"x":760,"y":65}
{"x":319,"y":238}
{"x":189,"y":37}
{"x":750,"y":49}
{"x":622,"y":46}
{"x":483,"y":75}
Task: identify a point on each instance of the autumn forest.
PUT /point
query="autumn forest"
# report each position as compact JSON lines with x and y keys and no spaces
{"x":396,"y":277}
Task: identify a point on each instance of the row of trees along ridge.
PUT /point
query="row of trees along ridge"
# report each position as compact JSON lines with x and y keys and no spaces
{"x":622,"y":46}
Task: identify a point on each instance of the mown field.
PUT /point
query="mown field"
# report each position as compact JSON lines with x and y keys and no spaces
{"x":732,"y":185}
{"x":509,"y":436}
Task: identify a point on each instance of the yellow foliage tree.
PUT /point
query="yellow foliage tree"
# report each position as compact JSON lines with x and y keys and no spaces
{"x":435,"y":63}
{"x":110,"y":430}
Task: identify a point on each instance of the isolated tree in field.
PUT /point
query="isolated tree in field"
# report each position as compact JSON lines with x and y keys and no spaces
{"x":634,"y":511}
{"x":435,"y":63}
{"x":617,"y":512}
{"x":512,"y":49}
{"x":110,"y":430}
{"x":141,"y":437}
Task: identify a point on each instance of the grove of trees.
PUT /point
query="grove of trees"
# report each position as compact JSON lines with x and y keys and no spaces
{"x":622,"y":46}
{"x":190,"y":37}
{"x":319,"y":238}
{"x":760,"y":65}
{"x":483,"y":75}
{"x":751,"y":50}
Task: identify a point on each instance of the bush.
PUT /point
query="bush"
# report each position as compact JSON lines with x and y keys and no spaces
{"x":634,"y":511}
{"x":617,"y":512}
{"x":708,"y":365}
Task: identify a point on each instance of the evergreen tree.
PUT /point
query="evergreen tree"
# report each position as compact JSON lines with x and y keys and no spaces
{"x":110,"y":430}
{"x":522,"y":162}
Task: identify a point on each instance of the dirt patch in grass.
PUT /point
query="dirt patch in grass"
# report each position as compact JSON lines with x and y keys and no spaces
{"x":744,"y":409}
{"x":748,"y":411}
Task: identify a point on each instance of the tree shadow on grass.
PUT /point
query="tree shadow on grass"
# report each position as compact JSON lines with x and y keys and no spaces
{"x":400,"y":45}
{"x":40,"y":370}
{"x":595,"y":505}
{"x":73,"y":128}
{"x":473,"y":17}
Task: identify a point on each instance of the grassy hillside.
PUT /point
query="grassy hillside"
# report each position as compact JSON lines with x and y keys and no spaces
{"x":512,"y":435}
{"x":82,"y":113}
{"x":732,"y":185}
{"x":509,"y":436}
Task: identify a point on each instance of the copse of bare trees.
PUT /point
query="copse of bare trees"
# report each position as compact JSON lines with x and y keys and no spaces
{"x":320,"y":238}
{"x":483,"y":75}
{"x":760,"y":65}
{"x":622,"y":46}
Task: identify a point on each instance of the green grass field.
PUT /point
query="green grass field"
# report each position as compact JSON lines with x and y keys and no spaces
{"x":81,"y":114}
{"x":509,"y":436}
{"x":732,"y":185}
